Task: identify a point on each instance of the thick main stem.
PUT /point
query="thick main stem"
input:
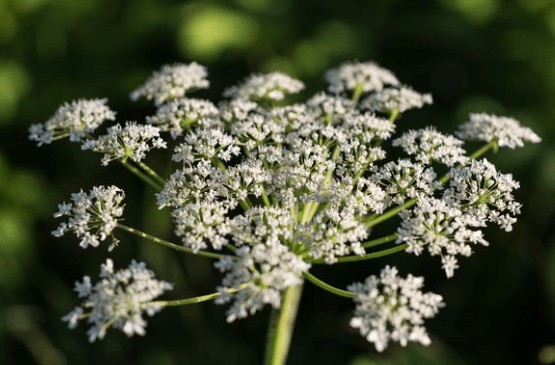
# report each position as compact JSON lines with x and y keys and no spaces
{"x":280,"y":329}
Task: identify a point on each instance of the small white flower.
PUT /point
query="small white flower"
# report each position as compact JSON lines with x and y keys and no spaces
{"x":390,"y":308}
{"x":365,"y":76}
{"x":192,"y":183}
{"x":403,"y":180}
{"x":428,"y":145}
{"x":273,"y":86}
{"x":201,"y":224}
{"x":172,"y":82}
{"x":267,"y":268}
{"x":505,"y":131}
{"x":236,"y":110}
{"x":181,"y":114}
{"x":123,"y":143}
{"x":206,"y":144}
{"x":485,"y":193}
{"x":93,"y":215}
{"x":330,"y":109}
{"x":441,"y":229}
{"x":75,"y":120}
{"x":118,"y":300}
{"x":398,"y":100}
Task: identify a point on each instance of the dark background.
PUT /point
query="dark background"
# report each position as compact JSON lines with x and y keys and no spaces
{"x":496,"y":56}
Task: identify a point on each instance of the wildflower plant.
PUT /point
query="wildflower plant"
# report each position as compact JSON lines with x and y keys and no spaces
{"x":269,"y":189}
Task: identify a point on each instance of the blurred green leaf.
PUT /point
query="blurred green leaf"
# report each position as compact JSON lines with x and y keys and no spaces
{"x":207,"y":30}
{"x":14,"y":83}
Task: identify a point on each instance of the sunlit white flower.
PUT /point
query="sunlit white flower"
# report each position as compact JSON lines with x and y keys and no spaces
{"x":265,"y":269}
{"x":485,"y":193}
{"x":181,"y":114}
{"x":395,"y":100}
{"x":505,"y":131}
{"x":363,"y":76}
{"x":441,"y":229}
{"x":200,"y":224}
{"x":392,"y":308}
{"x":273,"y":86}
{"x":172,"y":82}
{"x":122,"y":143}
{"x":236,"y":109}
{"x":207,"y":144}
{"x":427,"y":145}
{"x":119,"y":300}
{"x":403,"y":180}
{"x":91,"y":216}
{"x":75,"y":120}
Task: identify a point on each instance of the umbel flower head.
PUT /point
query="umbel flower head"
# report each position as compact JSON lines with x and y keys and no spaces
{"x":366,"y":76}
{"x":91,"y":216}
{"x":75,"y":120}
{"x":118,"y":300}
{"x":273,"y":86}
{"x":505,"y":131}
{"x":277,"y":188}
{"x":397,"y":100}
{"x":122,"y":143}
{"x":391,"y":308}
{"x":172,"y":82}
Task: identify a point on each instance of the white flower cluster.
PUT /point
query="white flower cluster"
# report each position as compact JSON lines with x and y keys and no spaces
{"x":172,"y":82}
{"x":264,"y":262}
{"x":181,"y":114}
{"x":485,"y":193}
{"x":91,"y":216}
{"x":505,"y":131}
{"x":397,"y":100}
{"x":366,"y":76}
{"x":390,"y":308}
{"x":123,"y":143}
{"x":428,"y":145}
{"x":118,"y":300}
{"x":74,"y":120}
{"x":442,"y":229}
{"x":273,"y":86}
{"x":281,"y":187}
{"x":403,"y":180}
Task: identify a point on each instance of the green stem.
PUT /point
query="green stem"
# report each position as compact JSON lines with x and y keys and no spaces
{"x":357,"y":93}
{"x":280,"y":329}
{"x":142,"y":176}
{"x":332,"y":289}
{"x":369,"y":256}
{"x":199,"y":299}
{"x":482,"y":150}
{"x":390,"y":213}
{"x":173,"y":246}
{"x":151,"y":173}
{"x":381,"y":240}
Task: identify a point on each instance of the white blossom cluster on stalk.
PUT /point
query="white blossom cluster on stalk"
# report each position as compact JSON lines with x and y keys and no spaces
{"x":400,"y":99}
{"x":392,"y":308}
{"x":366,"y":76}
{"x":119,"y":300}
{"x":91,"y":216}
{"x":272,"y":86}
{"x":271,"y":189}
{"x":132,"y":141}
{"x":181,"y":114}
{"x":505,"y":131}
{"x":172,"y":82}
{"x":74,"y":120}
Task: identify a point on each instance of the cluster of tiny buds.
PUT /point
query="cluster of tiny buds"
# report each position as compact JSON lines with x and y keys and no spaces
{"x":275,"y":188}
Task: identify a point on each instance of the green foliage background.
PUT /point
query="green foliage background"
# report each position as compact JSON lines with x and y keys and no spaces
{"x":473,"y":55}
